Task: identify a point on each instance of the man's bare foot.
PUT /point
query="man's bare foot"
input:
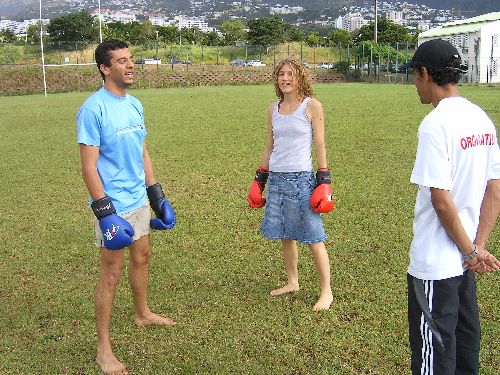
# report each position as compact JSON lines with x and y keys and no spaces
{"x":152,"y":318}
{"x":324,"y":301}
{"x":109,"y":364}
{"x":288,"y":288}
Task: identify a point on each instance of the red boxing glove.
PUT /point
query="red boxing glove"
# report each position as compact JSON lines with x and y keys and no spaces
{"x":321,"y":198}
{"x":255,"y":198}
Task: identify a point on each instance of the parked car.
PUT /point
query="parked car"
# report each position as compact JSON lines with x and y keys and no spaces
{"x":383,"y":68}
{"x":238,"y":63}
{"x":255,"y":63}
{"x":325,"y":65}
{"x":187,"y":62}
{"x":175,"y":61}
{"x":305,"y":63}
{"x":148,"y":61}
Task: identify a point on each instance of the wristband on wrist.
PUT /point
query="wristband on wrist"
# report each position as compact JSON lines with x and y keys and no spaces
{"x":102,"y":207}
{"x":155,"y":196}
{"x":323,"y":176}
{"x":261,"y":175}
{"x":474,"y":253}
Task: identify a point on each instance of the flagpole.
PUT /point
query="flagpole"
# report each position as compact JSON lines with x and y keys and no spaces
{"x":100,"y":27}
{"x":41,"y":47}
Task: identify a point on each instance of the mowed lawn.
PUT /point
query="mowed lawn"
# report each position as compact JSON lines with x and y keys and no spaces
{"x":213,"y":271}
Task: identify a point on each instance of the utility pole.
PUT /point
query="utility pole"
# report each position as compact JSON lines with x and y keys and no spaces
{"x":41,"y":48}
{"x":100,"y":22}
{"x":156,"y":49}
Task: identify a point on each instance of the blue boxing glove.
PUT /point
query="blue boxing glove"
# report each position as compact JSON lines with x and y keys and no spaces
{"x":165,"y":215}
{"x":117,"y":232}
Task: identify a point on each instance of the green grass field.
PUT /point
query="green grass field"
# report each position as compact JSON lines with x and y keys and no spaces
{"x":214,"y":271}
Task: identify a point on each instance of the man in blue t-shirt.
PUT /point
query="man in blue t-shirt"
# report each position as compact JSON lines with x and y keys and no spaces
{"x":119,"y":176}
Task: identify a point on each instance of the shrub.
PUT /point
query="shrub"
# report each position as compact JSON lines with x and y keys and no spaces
{"x":342,"y":67}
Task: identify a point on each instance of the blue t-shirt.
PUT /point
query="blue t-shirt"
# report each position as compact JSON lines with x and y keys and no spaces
{"x":115,"y":124}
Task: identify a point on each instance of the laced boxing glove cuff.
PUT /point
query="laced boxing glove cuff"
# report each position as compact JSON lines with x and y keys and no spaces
{"x":261,"y":175}
{"x":155,"y":196}
{"x":323,"y":176}
{"x":102,"y":207}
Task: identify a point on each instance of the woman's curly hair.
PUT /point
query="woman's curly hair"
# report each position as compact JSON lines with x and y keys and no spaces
{"x":299,"y":74}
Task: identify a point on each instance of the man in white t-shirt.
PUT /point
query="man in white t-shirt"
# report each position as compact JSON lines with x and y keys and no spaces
{"x":457,"y":168}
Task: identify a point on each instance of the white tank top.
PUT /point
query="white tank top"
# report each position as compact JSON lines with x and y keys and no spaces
{"x":292,"y":136}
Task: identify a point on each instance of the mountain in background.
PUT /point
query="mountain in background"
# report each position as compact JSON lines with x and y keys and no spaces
{"x":24,"y":9}
{"x":478,"y":6}
{"x":12,"y":8}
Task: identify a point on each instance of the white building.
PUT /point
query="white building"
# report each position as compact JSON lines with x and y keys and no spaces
{"x":338,"y":22}
{"x":158,"y":20}
{"x":478,"y":41}
{"x":352,"y":21}
{"x":395,"y":16}
{"x":9,"y":25}
{"x":356,"y":22}
{"x":20,"y":28}
{"x":190,"y":22}
{"x":285,"y":9}
{"x":108,"y":15}
{"x":424,"y":25}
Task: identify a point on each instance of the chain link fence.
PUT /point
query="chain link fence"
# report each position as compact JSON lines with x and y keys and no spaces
{"x":367,"y":62}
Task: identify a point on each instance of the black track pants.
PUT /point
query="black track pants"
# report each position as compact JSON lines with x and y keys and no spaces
{"x":444,"y":327}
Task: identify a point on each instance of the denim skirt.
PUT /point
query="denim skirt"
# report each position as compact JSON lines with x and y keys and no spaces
{"x":288,"y":214}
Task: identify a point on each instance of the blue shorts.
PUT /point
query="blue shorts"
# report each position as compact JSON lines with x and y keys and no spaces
{"x":288,"y":214}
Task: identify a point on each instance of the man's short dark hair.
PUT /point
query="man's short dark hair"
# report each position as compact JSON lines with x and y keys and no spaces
{"x":102,"y":52}
{"x":441,"y":77}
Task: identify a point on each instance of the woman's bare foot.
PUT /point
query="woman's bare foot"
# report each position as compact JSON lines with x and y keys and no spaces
{"x":109,"y":364}
{"x":324,"y":301}
{"x":152,"y":318}
{"x":288,"y":288}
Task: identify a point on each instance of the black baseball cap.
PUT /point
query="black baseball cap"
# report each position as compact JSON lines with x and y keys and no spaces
{"x":435,"y":54}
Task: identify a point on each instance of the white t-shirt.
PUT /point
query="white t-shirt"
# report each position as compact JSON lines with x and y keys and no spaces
{"x":457,"y":151}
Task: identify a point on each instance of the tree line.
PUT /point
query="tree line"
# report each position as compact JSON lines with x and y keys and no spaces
{"x":76,"y":28}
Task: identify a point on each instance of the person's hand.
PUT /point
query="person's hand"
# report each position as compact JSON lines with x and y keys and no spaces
{"x":254,"y":197}
{"x":478,"y":267}
{"x":117,"y":232}
{"x":321,"y":199}
{"x":483,"y":262}
{"x":165,"y":217}
{"x":165,"y":214}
